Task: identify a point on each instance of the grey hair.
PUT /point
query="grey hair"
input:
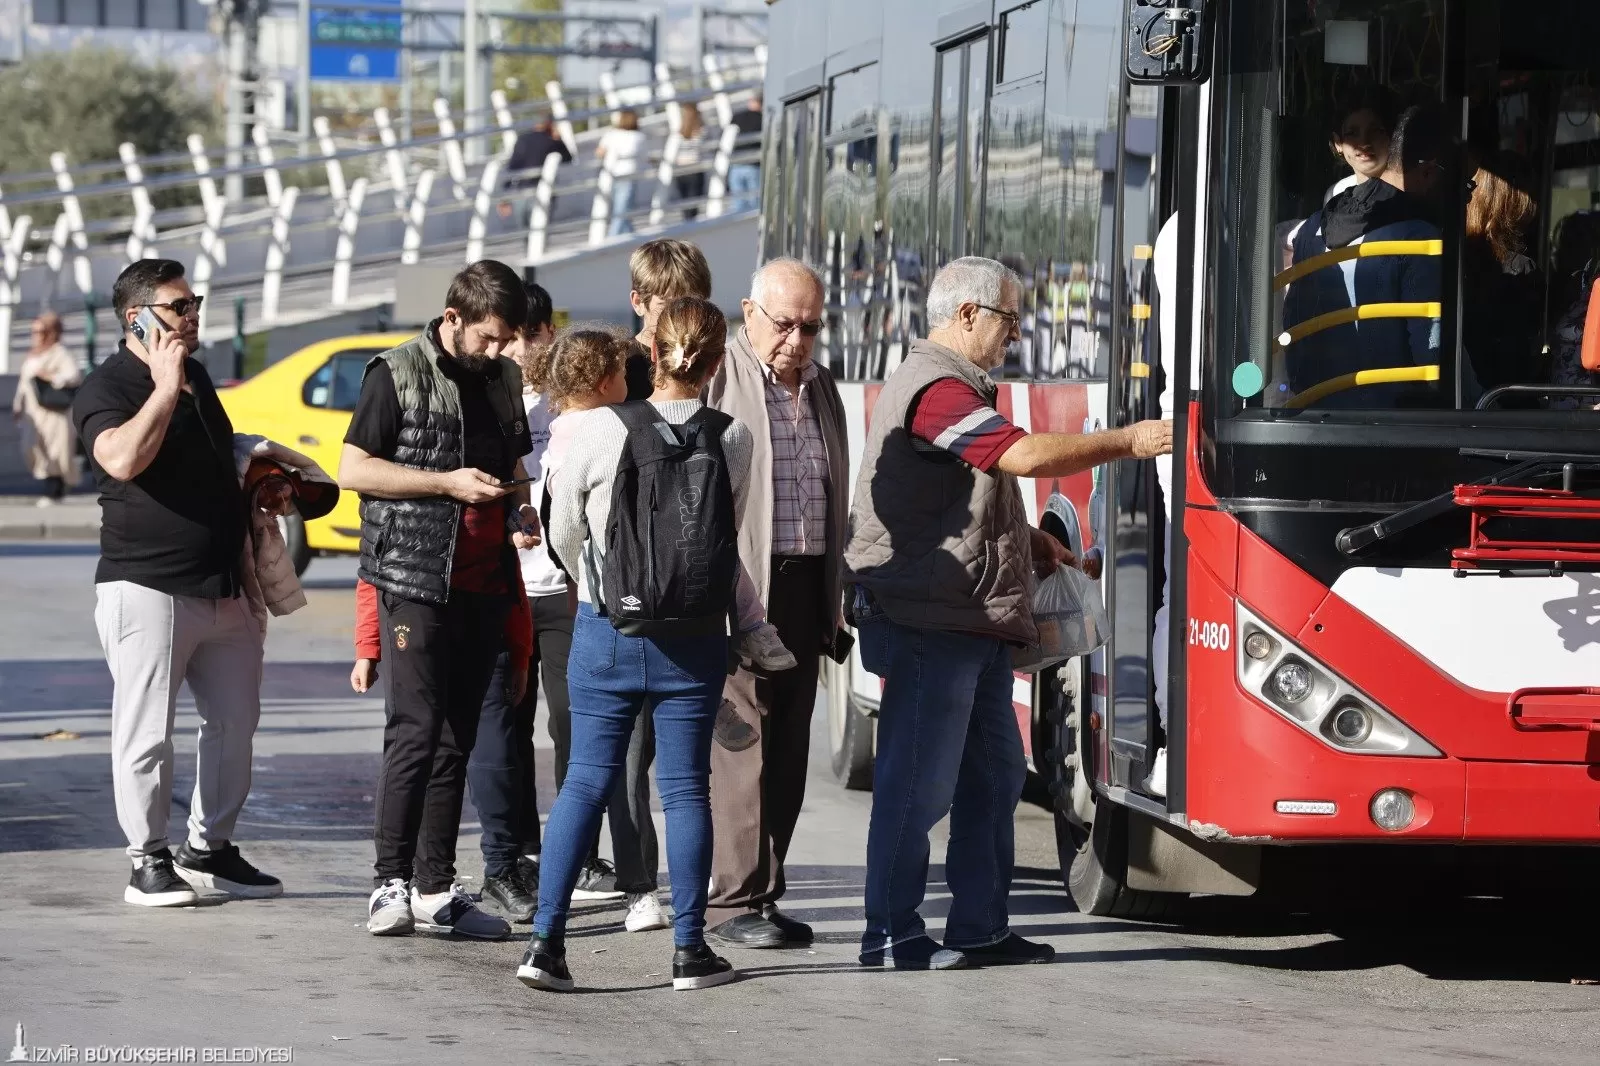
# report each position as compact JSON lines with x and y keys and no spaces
{"x":758,"y":280}
{"x":968,"y":280}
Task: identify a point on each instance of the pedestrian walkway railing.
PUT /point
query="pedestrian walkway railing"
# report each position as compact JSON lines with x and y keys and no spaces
{"x":364,"y":199}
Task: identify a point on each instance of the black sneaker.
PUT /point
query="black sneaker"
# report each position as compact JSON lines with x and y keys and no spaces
{"x":154,"y":884}
{"x":544,"y":965}
{"x":528,"y":868}
{"x":508,"y":892}
{"x":596,"y":881}
{"x":699,"y":967}
{"x":225,"y":870}
{"x":918,"y":953}
{"x":1012,"y":951}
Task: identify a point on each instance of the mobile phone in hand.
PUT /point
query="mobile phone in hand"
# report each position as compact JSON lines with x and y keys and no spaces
{"x":147,"y":326}
{"x":839,"y":649}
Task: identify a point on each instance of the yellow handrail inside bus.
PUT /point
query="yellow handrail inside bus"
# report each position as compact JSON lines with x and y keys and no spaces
{"x":1351,"y":314}
{"x":1322,"y":389}
{"x":1356,"y":251}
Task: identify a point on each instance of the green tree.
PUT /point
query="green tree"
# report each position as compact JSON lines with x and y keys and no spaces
{"x":523,"y":77}
{"x":86,"y":102}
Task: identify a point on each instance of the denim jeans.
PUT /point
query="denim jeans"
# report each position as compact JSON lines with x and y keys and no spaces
{"x":744,"y":186}
{"x":611,"y":678}
{"x":500,"y":774}
{"x":621,"y":204}
{"x":947,"y":743}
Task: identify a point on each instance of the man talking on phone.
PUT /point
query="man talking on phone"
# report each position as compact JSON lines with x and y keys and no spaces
{"x":436,"y":439}
{"x":168,"y":597}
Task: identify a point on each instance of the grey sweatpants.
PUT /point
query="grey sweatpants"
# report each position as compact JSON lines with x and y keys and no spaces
{"x":153,"y":643}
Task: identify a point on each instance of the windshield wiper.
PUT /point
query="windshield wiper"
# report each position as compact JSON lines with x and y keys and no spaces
{"x":1534,"y":466}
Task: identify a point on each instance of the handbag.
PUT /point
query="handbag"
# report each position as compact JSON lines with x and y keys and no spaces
{"x":52,"y":398}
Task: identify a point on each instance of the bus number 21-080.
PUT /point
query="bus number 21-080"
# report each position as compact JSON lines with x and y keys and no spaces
{"x":1213,"y":636}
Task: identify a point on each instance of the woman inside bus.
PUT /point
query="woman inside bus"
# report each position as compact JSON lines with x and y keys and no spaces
{"x":1401,"y":206}
{"x":1502,"y":290}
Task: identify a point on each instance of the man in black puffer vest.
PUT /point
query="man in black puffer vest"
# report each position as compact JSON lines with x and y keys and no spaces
{"x":439,"y":426}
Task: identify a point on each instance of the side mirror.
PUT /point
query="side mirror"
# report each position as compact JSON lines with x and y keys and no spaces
{"x":1169,"y":42}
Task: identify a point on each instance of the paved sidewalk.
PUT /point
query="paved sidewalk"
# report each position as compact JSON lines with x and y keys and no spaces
{"x":75,"y":518}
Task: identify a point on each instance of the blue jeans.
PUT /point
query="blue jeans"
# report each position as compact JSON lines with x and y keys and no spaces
{"x":744,"y":185}
{"x":621,"y":204}
{"x":611,"y":677}
{"x":947,"y":743}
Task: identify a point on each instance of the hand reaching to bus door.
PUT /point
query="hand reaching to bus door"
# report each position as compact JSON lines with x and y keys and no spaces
{"x":1149,"y":439}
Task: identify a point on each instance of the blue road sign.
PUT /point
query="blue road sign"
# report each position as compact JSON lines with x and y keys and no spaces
{"x":356,"y":45}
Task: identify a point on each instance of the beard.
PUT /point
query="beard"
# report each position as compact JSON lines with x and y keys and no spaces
{"x":476,"y":361}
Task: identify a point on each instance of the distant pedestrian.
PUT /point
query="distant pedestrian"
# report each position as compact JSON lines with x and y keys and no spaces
{"x":620,"y":149}
{"x":691,"y":186}
{"x":46,"y":383}
{"x":744,"y":179}
{"x":169,"y":589}
{"x":438,"y":427}
{"x":527,"y":161}
{"x":674,"y":655}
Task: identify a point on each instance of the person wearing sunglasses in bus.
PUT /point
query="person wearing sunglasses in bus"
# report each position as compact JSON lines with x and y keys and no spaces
{"x":938,"y":579}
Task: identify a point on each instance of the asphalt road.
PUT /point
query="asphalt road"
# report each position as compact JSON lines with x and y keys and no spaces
{"x":1481,"y":981}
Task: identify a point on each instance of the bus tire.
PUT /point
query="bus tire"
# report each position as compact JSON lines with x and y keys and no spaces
{"x":1096,"y":873}
{"x":850,"y":732}
{"x":293,"y":528}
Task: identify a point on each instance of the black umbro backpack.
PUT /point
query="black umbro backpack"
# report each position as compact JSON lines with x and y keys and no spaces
{"x":672,"y":546}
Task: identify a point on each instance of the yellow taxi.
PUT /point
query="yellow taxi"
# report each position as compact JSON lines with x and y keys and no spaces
{"x":305,"y":402}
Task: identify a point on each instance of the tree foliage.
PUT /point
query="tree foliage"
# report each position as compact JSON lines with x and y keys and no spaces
{"x":523,"y":76}
{"x":86,"y":102}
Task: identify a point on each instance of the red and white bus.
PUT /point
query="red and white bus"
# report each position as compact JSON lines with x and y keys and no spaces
{"x":1380,"y":560}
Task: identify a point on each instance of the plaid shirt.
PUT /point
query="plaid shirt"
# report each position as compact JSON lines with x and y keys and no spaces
{"x":799,"y":468}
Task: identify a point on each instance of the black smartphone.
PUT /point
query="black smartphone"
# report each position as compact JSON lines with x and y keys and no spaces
{"x":839,"y":650}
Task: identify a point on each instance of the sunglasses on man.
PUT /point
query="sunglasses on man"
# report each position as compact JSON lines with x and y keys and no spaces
{"x":182,"y":306}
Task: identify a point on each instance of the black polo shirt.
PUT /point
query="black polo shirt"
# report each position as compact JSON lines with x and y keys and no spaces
{"x":179,"y":526}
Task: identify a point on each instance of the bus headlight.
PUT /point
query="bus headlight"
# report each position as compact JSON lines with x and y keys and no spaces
{"x":1304,"y":691}
{"x":1392,"y":810}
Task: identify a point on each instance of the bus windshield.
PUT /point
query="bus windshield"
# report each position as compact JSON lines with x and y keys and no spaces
{"x":1404,"y":206}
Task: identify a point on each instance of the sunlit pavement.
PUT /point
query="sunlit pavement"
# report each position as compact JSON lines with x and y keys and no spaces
{"x":78,"y":967}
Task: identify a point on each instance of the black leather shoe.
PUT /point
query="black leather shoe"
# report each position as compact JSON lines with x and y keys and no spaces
{"x":748,"y":931}
{"x":544,"y":965}
{"x":793,"y":932}
{"x":699,"y":967}
{"x":508,"y":892}
{"x":1012,"y":951}
{"x":155,"y":884}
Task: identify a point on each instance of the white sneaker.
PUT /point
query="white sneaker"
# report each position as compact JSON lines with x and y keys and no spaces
{"x":1157,"y":781}
{"x":766,"y":650}
{"x":644,"y":913}
{"x":389,"y":909}
{"x":456,"y":913}
{"x":45,"y":501}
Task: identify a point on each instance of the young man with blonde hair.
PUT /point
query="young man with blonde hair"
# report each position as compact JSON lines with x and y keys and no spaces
{"x":660,"y":271}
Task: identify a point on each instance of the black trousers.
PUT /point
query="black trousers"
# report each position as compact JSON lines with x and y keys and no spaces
{"x":501,"y":773}
{"x":439,"y":661}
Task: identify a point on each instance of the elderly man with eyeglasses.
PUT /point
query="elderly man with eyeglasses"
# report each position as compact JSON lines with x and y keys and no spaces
{"x":792,"y":541}
{"x":939,"y":564}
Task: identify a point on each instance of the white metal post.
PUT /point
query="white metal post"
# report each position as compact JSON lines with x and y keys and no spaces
{"x":539,"y":217}
{"x":472,"y":81}
{"x":72,"y":211}
{"x":600,"y":210}
{"x":265,"y":157}
{"x":667,"y":93}
{"x":10,"y":291}
{"x":608,"y":88}
{"x":345,"y":248}
{"x":142,"y":235}
{"x":277,"y":252}
{"x":719,"y":86}
{"x":479,"y":226}
{"x":503,"y":118}
{"x":416,"y":216}
{"x":336,"y":185}
{"x":394,"y":159}
{"x":558,"y":114}
{"x":213,"y":252}
{"x":454,"y":161}
{"x":669,"y":163}
{"x":719,"y":171}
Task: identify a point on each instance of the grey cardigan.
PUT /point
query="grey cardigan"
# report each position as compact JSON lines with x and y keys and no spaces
{"x":739,"y":389}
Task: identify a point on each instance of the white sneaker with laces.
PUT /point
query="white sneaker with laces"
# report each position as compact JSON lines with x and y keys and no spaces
{"x":763,"y":647}
{"x":1157,"y":781}
{"x":389,"y":909}
{"x":456,"y":913}
{"x":644,"y":913}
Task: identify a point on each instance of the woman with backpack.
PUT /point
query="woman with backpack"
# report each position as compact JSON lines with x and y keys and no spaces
{"x":644,"y":512}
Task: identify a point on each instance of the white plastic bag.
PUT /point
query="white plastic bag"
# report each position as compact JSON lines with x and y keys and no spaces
{"x":1071,"y":619}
